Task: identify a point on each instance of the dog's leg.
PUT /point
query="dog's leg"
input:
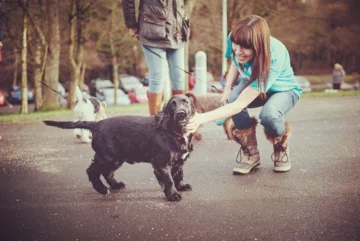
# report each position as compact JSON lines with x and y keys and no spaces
{"x":94,"y":172}
{"x":110,"y":179}
{"x":164,"y":178}
{"x":178,"y":175}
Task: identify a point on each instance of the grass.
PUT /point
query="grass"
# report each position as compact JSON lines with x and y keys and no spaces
{"x":324,"y":94}
{"x":326,"y":78}
{"x":64,"y":114}
{"x":67,"y":114}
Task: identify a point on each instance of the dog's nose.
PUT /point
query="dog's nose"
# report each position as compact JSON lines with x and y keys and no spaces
{"x":180,"y":115}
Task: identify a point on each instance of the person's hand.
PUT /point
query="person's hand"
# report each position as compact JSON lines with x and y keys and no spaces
{"x":133,"y":32}
{"x":195,"y":122}
{"x":225,"y":96}
{"x":1,"y":45}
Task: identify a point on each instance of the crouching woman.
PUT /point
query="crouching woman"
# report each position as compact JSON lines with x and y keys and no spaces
{"x":267,"y":79}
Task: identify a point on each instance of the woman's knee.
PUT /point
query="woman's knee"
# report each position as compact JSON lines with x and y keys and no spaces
{"x":155,"y":81}
{"x":273,"y":122}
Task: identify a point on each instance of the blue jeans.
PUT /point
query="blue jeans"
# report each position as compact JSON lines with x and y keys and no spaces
{"x":275,"y":106}
{"x":155,"y":60}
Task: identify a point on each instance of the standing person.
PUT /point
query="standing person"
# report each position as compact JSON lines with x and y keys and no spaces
{"x":162,"y":36}
{"x":338,"y":76}
{"x":267,"y":79}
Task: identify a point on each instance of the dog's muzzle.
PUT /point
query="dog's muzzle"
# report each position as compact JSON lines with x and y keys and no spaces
{"x":180,"y":115}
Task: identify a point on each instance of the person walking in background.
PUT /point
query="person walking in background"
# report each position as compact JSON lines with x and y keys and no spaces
{"x":162,"y":34}
{"x":267,"y":79}
{"x":338,"y":76}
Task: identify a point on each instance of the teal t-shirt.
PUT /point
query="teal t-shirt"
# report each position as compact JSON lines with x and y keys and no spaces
{"x":281,"y":77}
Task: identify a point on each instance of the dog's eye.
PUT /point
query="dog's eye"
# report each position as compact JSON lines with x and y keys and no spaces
{"x":185,"y":101}
{"x":173,"y":104}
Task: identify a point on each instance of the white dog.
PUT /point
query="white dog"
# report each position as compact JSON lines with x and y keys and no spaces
{"x":87,"y":109}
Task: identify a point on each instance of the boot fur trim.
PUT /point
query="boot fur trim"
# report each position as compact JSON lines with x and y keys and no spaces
{"x":240,"y":136}
{"x":283,"y":138}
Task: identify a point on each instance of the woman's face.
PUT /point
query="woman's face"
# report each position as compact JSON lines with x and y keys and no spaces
{"x":244,"y":54}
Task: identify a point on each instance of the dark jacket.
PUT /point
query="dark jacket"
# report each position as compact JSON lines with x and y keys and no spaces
{"x":159,"y":22}
{"x":1,"y":34}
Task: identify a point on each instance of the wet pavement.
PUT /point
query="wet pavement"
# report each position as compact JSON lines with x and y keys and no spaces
{"x":45,"y":194}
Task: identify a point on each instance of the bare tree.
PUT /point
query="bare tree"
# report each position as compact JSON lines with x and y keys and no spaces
{"x":51,"y":98}
{"x":24,"y":87}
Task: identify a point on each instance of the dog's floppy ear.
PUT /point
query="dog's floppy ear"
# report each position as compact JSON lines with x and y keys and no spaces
{"x":193,"y":100}
{"x":162,"y":117}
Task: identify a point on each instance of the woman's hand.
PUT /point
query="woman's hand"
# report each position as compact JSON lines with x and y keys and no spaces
{"x":133,"y":32}
{"x":195,"y":122}
{"x":225,"y":96}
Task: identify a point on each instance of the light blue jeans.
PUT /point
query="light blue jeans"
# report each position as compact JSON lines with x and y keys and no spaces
{"x":155,"y":60}
{"x":275,"y":106}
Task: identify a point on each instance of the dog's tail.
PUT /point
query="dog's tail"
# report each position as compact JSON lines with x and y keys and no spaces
{"x":78,"y":93}
{"x":88,"y":125}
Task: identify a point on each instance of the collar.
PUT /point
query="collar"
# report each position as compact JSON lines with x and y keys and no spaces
{"x":177,"y":133}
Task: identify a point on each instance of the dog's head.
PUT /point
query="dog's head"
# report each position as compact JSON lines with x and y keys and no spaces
{"x":176,"y":113}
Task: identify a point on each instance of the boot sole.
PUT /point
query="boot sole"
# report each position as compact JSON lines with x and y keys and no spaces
{"x":282,"y":170}
{"x":243,"y":172}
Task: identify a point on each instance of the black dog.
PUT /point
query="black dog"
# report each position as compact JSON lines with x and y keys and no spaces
{"x":161,"y":140}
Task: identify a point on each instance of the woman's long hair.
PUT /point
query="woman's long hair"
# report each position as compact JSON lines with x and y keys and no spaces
{"x":253,"y":32}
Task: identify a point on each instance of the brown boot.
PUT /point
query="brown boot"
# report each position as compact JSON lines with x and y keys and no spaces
{"x":177,"y":92}
{"x":154,"y":102}
{"x":281,"y":154}
{"x":247,"y":140}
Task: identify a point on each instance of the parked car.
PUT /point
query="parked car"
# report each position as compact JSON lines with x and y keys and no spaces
{"x":2,"y":98}
{"x":129,"y":82}
{"x":303,"y":83}
{"x":108,"y":94}
{"x":105,"y":92}
{"x":138,"y":95}
{"x":15,"y":95}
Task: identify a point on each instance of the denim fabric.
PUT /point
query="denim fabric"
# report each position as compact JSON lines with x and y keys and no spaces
{"x":155,"y":64}
{"x":275,"y":106}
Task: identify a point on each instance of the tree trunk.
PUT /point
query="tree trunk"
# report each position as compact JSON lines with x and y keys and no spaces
{"x":115,"y":66}
{"x":75,"y":52}
{"x":24,"y":89}
{"x":38,"y":76}
{"x":51,"y":98}
{"x":16,"y":65}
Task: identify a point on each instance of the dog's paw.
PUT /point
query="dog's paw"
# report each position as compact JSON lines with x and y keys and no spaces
{"x":184,"y":188}
{"x":119,"y":185}
{"x":175,"y":197}
{"x":103,"y":191}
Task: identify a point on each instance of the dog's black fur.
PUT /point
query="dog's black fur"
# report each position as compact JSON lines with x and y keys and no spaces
{"x":161,"y":140}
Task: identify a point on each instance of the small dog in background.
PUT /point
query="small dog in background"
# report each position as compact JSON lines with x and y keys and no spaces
{"x":87,"y":109}
{"x":209,"y":102}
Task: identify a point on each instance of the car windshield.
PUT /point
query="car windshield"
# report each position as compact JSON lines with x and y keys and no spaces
{"x":128,"y":80}
{"x":110,"y":90}
{"x":103,"y":84}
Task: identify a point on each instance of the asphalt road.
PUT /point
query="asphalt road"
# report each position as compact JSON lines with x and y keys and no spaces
{"x":45,"y":194}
